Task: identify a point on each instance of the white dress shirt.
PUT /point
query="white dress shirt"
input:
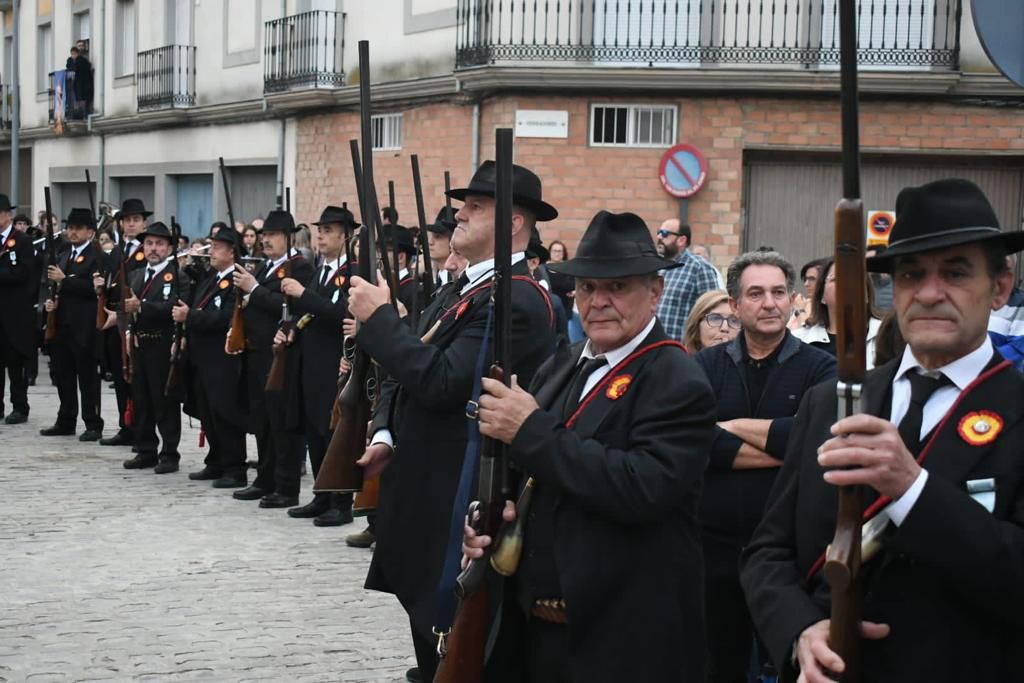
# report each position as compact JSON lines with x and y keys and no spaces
{"x":614,"y":357}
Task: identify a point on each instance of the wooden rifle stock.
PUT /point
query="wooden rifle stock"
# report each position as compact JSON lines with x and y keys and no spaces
{"x":236,"y":335}
{"x":101,"y":306}
{"x":463,"y":661}
{"x":339,"y":472}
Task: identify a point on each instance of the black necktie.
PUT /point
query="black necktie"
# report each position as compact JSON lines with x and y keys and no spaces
{"x":921,"y":389}
{"x":461,"y":282}
{"x":579,"y":380}
{"x":149,"y":275}
{"x":323,"y":278}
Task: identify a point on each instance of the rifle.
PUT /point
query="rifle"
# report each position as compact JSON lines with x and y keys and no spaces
{"x":174,"y":372}
{"x":101,"y":292}
{"x":421,"y":216}
{"x":123,"y":326}
{"x":339,"y":472}
{"x":463,"y":650}
{"x":843,"y":559}
{"x":236,"y":334}
{"x":275,"y":378}
{"x":51,"y":260}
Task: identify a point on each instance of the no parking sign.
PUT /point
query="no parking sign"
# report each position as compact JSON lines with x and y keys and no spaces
{"x":879,"y":226}
{"x":683,"y":171}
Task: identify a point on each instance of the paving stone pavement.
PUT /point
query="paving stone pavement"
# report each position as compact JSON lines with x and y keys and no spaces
{"x":108,"y":574}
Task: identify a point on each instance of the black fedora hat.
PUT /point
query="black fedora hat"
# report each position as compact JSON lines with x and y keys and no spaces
{"x":81,"y":217}
{"x":228,"y":236}
{"x":337,"y":214}
{"x":614,"y":245}
{"x":445,"y":222}
{"x":156,"y":229}
{"x":5,"y":203}
{"x":526,"y":189}
{"x":22,"y":218}
{"x":400,"y":236}
{"x":133,"y":207}
{"x":536,"y":248}
{"x":942,"y":214}
{"x":278,"y":221}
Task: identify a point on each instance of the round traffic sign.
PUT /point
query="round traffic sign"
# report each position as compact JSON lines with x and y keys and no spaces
{"x":683,"y":171}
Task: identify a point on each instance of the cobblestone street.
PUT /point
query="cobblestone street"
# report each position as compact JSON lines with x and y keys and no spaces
{"x":111,"y":574}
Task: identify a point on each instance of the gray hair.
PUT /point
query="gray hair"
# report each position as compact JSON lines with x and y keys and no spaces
{"x":757,"y":258}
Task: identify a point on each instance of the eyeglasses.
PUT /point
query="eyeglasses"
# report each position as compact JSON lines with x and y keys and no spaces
{"x":662,"y":232}
{"x":716,"y":320}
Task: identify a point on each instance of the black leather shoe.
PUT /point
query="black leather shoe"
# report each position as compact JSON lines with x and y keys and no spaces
{"x":413,"y":675}
{"x":204,"y":474}
{"x":16,"y":418}
{"x":230,"y":481}
{"x":314,"y":508}
{"x":57,"y":430}
{"x":334,"y":517}
{"x":364,"y":539}
{"x":139,"y":463}
{"x":278,"y":500}
{"x":90,"y":435}
{"x":250,"y":493}
{"x":119,"y":439}
{"x":166,"y":466}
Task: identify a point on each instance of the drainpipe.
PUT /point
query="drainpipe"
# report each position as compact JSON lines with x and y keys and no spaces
{"x":15,"y":106}
{"x":98,"y":93}
{"x":475,"y":160}
{"x":280,"y":167}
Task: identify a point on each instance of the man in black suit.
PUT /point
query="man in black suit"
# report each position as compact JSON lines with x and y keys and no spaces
{"x":401,"y":248}
{"x":216,"y":380}
{"x":128,"y":252}
{"x":615,"y":455}
{"x":938,"y":451}
{"x":280,"y":451}
{"x":419,"y":423}
{"x":17,"y":324}
{"x":73,"y":354}
{"x":154,"y":291}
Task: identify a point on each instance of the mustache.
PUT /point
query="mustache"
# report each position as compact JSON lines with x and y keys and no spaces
{"x":942,"y":310}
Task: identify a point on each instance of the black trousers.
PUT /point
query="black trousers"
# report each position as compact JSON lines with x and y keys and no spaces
{"x":287,"y":450}
{"x":122,"y":391}
{"x":153,"y":410}
{"x":316,"y":443}
{"x":226,"y":438}
{"x":257,"y":365}
{"x":730,"y":629}
{"x":15,"y":363}
{"x":547,"y":652}
{"x":71,"y":366}
{"x":426,"y":654}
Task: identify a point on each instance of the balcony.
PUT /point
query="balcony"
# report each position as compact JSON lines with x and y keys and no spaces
{"x":6,"y":107}
{"x":899,"y":35}
{"x":304,"y":51}
{"x":165,"y":77}
{"x":65,"y":107}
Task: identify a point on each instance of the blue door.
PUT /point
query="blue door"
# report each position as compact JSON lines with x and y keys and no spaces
{"x":194,"y":210}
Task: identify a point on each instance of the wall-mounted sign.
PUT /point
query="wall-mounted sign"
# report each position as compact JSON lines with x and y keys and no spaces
{"x":542,"y":123}
{"x":683,"y":171}
{"x":879,"y":226}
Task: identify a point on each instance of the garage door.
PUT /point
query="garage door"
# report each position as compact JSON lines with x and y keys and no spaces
{"x":789,"y":203}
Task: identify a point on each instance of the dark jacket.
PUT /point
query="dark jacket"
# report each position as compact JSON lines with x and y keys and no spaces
{"x":18,"y":284}
{"x":734,"y":500}
{"x":76,"y":298}
{"x":158,"y":297}
{"x":949,"y":580}
{"x":627,"y":476}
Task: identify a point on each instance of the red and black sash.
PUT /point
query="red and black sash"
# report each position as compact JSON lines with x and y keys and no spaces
{"x":460,"y":306}
{"x":213,"y":290}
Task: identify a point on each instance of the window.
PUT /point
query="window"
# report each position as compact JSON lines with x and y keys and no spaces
{"x":44,"y":56}
{"x":632,"y":125}
{"x":124,"y":38}
{"x":387,"y":131}
{"x":81,"y":28}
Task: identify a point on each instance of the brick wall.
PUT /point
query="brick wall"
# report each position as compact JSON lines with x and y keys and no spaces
{"x":579,"y":179}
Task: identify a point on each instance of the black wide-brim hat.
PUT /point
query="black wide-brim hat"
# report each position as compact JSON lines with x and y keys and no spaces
{"x":156,"y":229}
{"x":614,"y":245}
{"x":278,"y":221}
{"x":81,"y":217}
{"x":228,"y":236}
{"x":133,"y":207}
{"x":942,"y":214}
{"x":400,"y":236}
{"x":526,"y":189}
{"x":445,"y":222}
{"x":338,"y":214}
{"x":5,"y":203}
{"x":536,"y":248}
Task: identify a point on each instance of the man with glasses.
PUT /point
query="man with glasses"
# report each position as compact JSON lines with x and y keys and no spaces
{"x":758,"y":379}
{"x":684,"y":283}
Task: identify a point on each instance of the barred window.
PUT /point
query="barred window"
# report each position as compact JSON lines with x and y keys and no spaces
{"x":632,"y":125}
{"x":387,"y":132}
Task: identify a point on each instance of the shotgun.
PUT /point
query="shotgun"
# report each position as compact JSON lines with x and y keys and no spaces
{"x":843,"y":559}
{"x":275,"y":378}
{"x":421,"y":216}
{"x":236,"y":333}
{"x":51,"y":260}
{"x":174,"y":371}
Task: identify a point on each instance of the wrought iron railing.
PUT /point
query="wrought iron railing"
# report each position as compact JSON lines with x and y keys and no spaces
{"x":6,"y":106}
{"x":916,"y":34}
{"x":166,"y":77}
{"x":304,"y":51}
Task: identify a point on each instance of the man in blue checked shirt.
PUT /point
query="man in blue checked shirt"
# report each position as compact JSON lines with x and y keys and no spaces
{"x":683,"y":284}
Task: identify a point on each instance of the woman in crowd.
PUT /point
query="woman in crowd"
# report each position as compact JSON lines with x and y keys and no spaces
{"x":711,"y":321}
{"x":809,"y":276}
{"x":251,"y":241}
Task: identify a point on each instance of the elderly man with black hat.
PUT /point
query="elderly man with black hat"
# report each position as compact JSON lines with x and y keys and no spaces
{"x":17,"y":324}
{"x":610,"y":584}
{"x":938,"y":450}
{"x":155,"y":289}
{"x":73,"y":353}
{"x":419,"y":425}
{"x":128,"y":252}
{"x":216,"y":380}
{"x":322,"y":306}
{"x":280,"y":451}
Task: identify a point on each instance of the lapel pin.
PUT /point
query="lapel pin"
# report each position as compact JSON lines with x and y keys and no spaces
{"x":618,"y":386}
{"x":980,"y":428}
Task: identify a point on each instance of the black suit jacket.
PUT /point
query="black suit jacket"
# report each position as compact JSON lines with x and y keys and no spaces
{"x":159,"y":297}
{"x":950,"y":580}
{"x":76,"y":298}
{"x":627,"y":475}
{"x":263,"y":312}
{"x":426,"y":414}
{"x":18,"y":280}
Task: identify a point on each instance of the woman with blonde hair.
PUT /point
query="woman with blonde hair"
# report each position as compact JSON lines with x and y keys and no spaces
{"x":711,"y":322}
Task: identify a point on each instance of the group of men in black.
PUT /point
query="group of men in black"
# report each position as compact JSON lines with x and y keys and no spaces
{"x":612,"y":435}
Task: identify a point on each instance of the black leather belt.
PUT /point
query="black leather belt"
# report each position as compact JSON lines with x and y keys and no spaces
{"x":551,"y":611}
